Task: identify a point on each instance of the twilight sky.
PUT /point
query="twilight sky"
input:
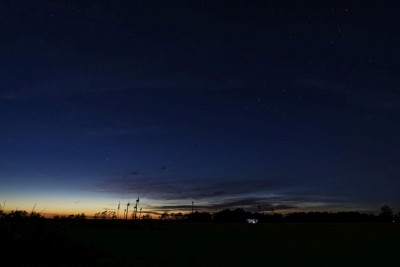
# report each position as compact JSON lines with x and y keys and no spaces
{"x":229,"y":104}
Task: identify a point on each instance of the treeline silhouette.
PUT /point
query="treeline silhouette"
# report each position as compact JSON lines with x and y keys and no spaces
{"x":60,"y":241}
{"x":32,"y":233}
{"x":240,"y":215}
{"x":233,"y":216}
{"x":22,"y":214}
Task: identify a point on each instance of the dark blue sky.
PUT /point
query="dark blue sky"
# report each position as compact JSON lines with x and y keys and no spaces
{"x":225,"y":103}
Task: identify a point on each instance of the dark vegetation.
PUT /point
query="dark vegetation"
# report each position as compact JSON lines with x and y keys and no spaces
{"x":28,"y":239}
{"x":202,"y":239}
{"x":239,"y":216}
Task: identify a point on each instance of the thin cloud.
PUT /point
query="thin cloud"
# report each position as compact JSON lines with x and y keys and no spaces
{"x":380,"y":99}
{"x":322,"y":85}
{"x":214,"y":196}
{"x":162,"y":188}
{"x":115,"y":131}
{"x":248,"y":203}
{"x":8,"y":96}
{"x":78,"y":87}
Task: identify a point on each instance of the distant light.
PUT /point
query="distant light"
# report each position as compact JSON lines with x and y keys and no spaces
{"x":252,"y":221}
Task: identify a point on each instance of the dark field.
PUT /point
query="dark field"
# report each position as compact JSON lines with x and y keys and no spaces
{"x":91,"y":243}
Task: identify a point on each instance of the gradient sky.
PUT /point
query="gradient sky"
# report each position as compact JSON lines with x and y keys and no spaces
{"x":229,"y":104}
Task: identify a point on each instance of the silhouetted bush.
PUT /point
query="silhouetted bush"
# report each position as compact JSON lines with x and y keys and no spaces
{"x":199,"y":217}
{"x":146,"y":217}
{"x":17,"y":214}
{"x":164,"y":216}
{"x":75,"y":217}
{"x":45,"y":242}
{"x":232,"y":216}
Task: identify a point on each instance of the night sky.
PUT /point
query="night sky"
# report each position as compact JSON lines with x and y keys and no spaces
{"x":229,"y":104}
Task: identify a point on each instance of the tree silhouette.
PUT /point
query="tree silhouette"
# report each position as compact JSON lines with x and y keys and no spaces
{"x":397,"y":217}
{"x":146,"y":217}
{"x":198,"y":217}
{"x":178,"y":216}
{"x":18,"y":214}
{"x":164,"y":216}
{"x":386,"y":214}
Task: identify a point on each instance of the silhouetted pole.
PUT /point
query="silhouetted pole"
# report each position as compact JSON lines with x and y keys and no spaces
{"x":140,"y":213}
{"x":192,"y":206}
{"x":119,"y":203}
{"x":127,"y":211}
{"x":137,"y":202}
{"x":259,"y":208}
{"x":42,"y":211}
{"x":33,"y":209}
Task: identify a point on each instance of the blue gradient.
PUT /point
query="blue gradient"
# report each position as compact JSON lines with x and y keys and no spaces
{"x":288,"y":106}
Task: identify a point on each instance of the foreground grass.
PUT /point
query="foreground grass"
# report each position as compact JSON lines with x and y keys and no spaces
{"x":107,"y":243}
{"x":189,"y":244}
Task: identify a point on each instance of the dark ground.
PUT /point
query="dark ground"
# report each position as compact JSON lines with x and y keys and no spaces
{"x":91,"y":243}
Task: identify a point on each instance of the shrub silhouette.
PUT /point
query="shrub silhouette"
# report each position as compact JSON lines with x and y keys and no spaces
{"x":198,"y":217}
